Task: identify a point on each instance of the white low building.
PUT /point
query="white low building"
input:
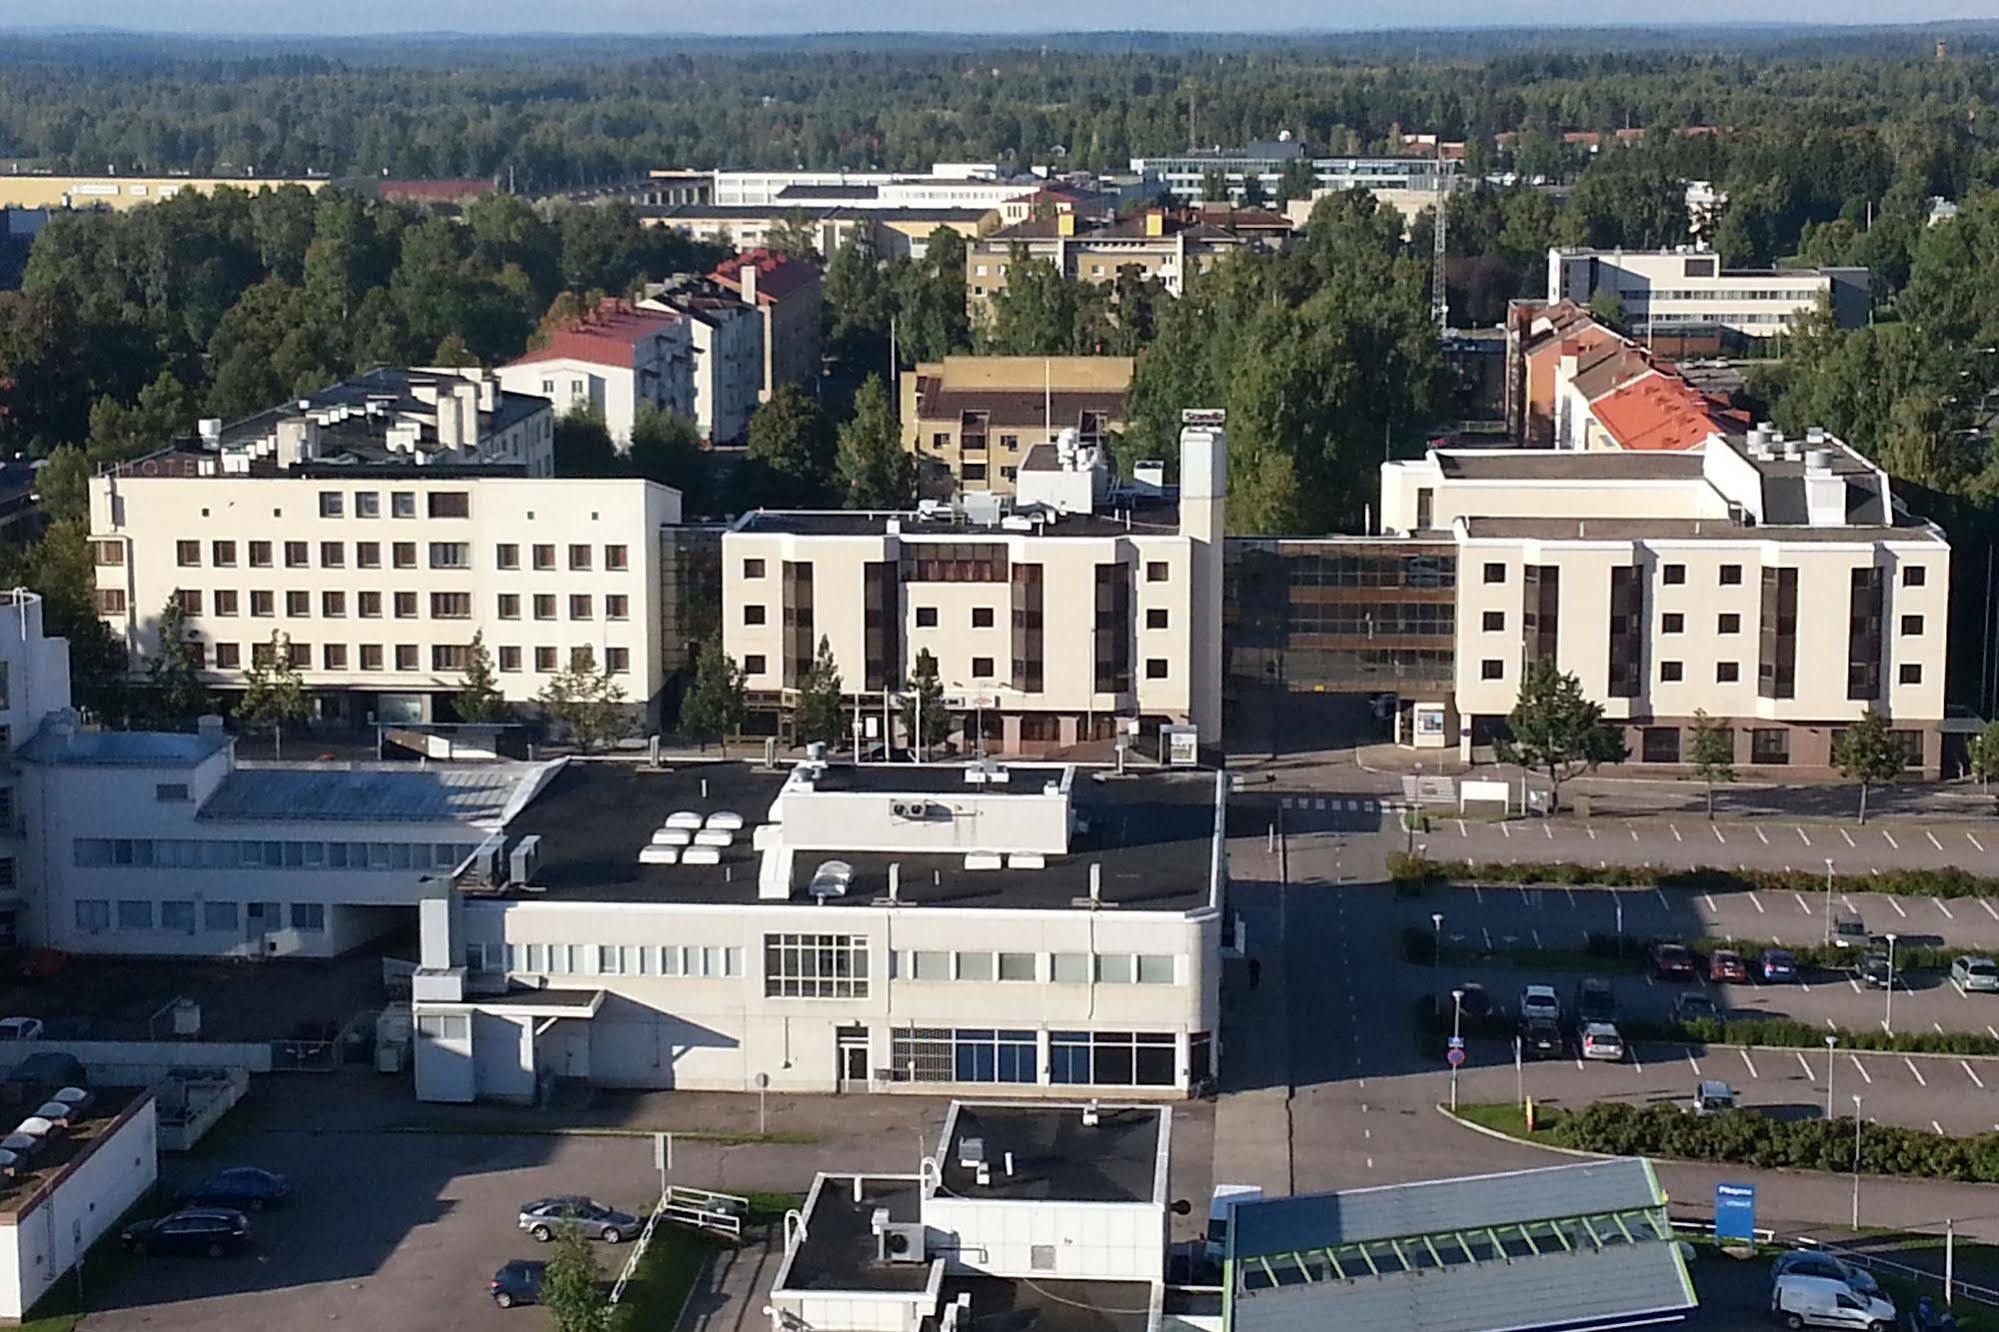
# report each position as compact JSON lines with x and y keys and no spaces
{"x":612,"y":361}
{"x":59,"y":1200}
{"x":1668,"y":291}
{"x":1037,"y":930}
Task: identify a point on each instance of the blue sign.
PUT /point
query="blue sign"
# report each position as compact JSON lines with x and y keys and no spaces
{"x":1735,"y":1212}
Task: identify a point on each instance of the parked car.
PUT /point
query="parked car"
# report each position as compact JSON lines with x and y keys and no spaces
{"x":210,"y":1231}
{"x":1778,"y":967}
{"x":1975,"y":973}
{"x":1849,"y":930}
{"x":1688,"y":1007}
{"x":1811,"y":1301}
{"x":1671,"y":961}
{"x":1819,"y":1263}
{"x":246,"y":1188}
{"x":1540,"y":1001}
{"x":1725,"y":965}
{"x":1541,"y":1038}
{"x":519,"y":1282}
{"x":20,"y":1029}
{"x":1713,"y":1097}
{"x":1595,"y":1002}
{"x":30,"y":1081}
{"x":1876,"y":973}
{"x":1601,"y":1041}
{"x":543,"y":1217}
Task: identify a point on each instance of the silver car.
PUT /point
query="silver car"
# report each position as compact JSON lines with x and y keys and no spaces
{"x":543,"y":1217}
{"x":1975,"y":973}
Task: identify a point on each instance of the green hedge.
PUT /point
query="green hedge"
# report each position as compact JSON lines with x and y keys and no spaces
{"x":1950,"y":882}
{"x":1747,"y":1138}
{"x":1783,"y":1034}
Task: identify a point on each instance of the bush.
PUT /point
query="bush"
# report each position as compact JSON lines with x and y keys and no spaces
{"x":1947,"y":882}
{"x":1743,"y":1137}
{"x":1783,"y":1034}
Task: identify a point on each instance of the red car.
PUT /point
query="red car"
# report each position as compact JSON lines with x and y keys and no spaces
{"x":1727,"y":966}
{"x":1671,"y":961}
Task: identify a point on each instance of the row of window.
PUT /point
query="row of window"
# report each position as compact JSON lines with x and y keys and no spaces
{"x":983,"y":668}
{"x":1769,"y":745}
{"x":217,"y":853}
{"x":95,"y":915}
{"x":1075,"y":1058}
{"x":444,"y":657}
{"x":582,"y":556}
{"x":1728,"y":575}
{"x":693,"y":961}
{"x":298,"y":605}
{"x":1053,"y":968}
{"x":1725,"y":672}
{"x":402,"y":504}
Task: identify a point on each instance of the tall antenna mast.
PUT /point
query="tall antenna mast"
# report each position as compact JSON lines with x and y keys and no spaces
{"x":1440,"y":301}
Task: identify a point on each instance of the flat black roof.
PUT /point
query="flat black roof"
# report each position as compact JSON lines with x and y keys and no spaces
{"x":1056,"y":1156}
{"x":1045,"y":1305}
{"x":1151,"y":833}
{"x":839,"y":1249}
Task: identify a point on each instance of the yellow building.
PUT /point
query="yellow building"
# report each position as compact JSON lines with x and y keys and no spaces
{"x":970,"y":420}
{"x":65,"y":190}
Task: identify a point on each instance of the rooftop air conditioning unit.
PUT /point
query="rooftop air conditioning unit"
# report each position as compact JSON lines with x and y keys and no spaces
{"x":910,"y":809}
{"x":902,"y":1242}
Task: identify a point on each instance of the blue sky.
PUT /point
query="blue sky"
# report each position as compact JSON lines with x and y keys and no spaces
{"x":796,"y":16}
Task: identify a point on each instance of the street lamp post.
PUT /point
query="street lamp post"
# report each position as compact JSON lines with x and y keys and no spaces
{"x":1888,"y":1013}
{"x":1437,"y":934}
{"x":1828,"y":899}
{"x":1830,"y":1041}
{"x":1457,"y":1036}
{"x":1856,"y":1160}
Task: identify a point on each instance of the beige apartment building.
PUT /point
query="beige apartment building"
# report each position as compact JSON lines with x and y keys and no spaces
{"x":379,"y":558}
{"x":971,"y":420}
{"x":1156,"y":244}
{"x":1778,"y":585}
{"x":1665,"y":291}
{"x":1092,"y":605}
{"x":68,"y":190}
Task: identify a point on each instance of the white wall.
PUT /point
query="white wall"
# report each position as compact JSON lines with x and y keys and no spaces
{"x":1093,"y":1241}
{"x":41,"y":1242}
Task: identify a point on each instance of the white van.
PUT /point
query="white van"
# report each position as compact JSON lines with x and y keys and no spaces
{"x":1219,"y":1208}
{"x":1813,"y":1301}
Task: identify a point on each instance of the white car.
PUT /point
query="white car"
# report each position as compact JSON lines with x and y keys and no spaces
{"x":1812,"y":1301}
{"x":1602,"y":1041}
{"x":20,"y":1029}
{"x":1540,"y":1001}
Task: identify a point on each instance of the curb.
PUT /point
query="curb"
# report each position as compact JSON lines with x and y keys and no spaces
{"x":687,"y":1135}
{"x":1445,"y":1111}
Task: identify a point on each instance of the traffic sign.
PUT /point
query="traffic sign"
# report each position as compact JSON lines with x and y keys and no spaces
{"x":1457,"y":1042}
{"x":1735,"y":1212}
{"x":1455,"y":1057}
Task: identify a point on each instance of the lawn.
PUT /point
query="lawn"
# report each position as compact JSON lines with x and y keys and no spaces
{"x":673,"y":1263}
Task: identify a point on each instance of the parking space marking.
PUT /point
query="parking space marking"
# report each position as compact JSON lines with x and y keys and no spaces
{"x":1933,"y":839}
{"x":1633,"y":831}
{"x":1915,"y":1072}
{"x":1537,"y":937}
{"x":1709,"y":899}
{"x":1750,"y":1064}
{"x":1696,"y":1065}
{"x":1988,"y":908}
{"x":1637,"y":1064}
{"x":1719,"y":838}
{"x":1940,"y":906}
{"x":1488,"y":937}
{"x":1849,"y":904}
{"x":1975,"y":842}
{"x":1989,"y":1031}
{"x":1572,"y":896}
{"x":1461,"y":829}
{"x":1803,"y":905}
{"x":1955,"y":986}
{"x":1801,"y":837}
{"x":1762,"y":837}
{"x":1971,"y":1073}
{"x":1855,"y":984}
{"x":1660,"y":893}
{"x":1898,"y":908}
{"x":1938,"y":1127}
{"x":1862,"y":1068}
{"x":1503,"y":832}
{"x":1891,"y":839}
{"x":1756,"y":902}
{"x":1549,"y":829}
{"x":1847,"y":835}
{"x":1676,"y":832}
{"x":1591,"y":832}
{"x":1803,"y":1066}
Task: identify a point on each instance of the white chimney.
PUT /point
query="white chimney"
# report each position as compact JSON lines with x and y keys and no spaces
{"x":747,"y":273}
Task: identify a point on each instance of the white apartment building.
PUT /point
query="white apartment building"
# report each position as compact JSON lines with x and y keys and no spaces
{"x":1184,"y":174}
{"x":612,"y":361}
{"x":1032,"y":929}
{"x":1087,"y":607}
{"x":726,"y":341}
{"x":379,"y":573}
{"x":34,"y":681}
{"x":1669,"y":290}
{"x":905,"y":189}
{"x":1779,"y":586}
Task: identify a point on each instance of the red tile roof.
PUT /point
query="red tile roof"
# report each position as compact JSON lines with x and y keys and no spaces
{"x":606,"y":336}
{"x":1660,"y":412}
{"x":777,"y":276}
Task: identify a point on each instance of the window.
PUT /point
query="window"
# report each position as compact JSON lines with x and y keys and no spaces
{"x":333,"y":657}
{"x":405,"y":605}
{"x":449,"y":656}
{"x":617,"y":661}
{"x":507,"y":555}
{"x":1673,"y":574}
{"x":135,"y":915}
{"x":1661,"y":744}
{"x":1495,"y":572}
{"x":298,"y":554}
{"x":1909,"y":673}
{"x":402,"y":504}
{"x":617,"y":606}
{"x":300,"y":654}
{"x":93,"y":915}
{"x":926,"y":617}
{"x":580,"y":606}
{"x":582,"y":658}
{"x":450,"y":555}
{"x":222,"y":554}
{"x":218,"y":917}
{"x":227,"y":657}
{"x":331,"y":504}
{"x":1156,"y":571}
{"x":309,"y":916}
{"x":1492,"y":668}
{"x":754,"y":664}
{"x":177,"y":915}
{"x":109,"y":552}
{"x":1016,"y":966}
{"x":1914,"y":575}
{"x":368,"y":605}
{"x":616,"y":558}
{"x":1156,"y":618}
{"x":450,"y":504}
{"x":1155,"y":668}
{"x":1672,"y":622}
{"x":1115,"y":969}
{"x":753,"y":568}
{"x":510,"y":606}
{"x":815,"y":966}
{"x":1728,"y":623}
{"x":403,"y":553}
{"x":1493,"y":622}
{"x":406,"y":658}
{"x":170,"y":792}
{"x":1155,"y":969}
{"x":298,"y":605}
{"x":368,"y":554}
{"x":225,"y":601}
{"x":1069,"y":968}
{"x":966,"y":1054}
{"x":451,"y":605}
{"x":1111,"y":1058}
{"x":1671,"y":672}
{"x":189,"y":599}
{"x":187,"y":554}
{"x":1770,"y":744}
{"x":982,"y":617}
{"x":544,"y":659}
{"x":1911,"y":625}
{"x":929,"y":965}
{"x":260,"y":554}
{"x":371,"y":656}
{"x":1731,"y":575}
{"x":1727,"y":672}
{"x":367,"y":504}
{"x":579,"y":557}
{"x":544,"y":605}
{"x":510,"y":659}
{"x":332,"y":554}
{"x":544,"y":558}
{"x":111,"y":601}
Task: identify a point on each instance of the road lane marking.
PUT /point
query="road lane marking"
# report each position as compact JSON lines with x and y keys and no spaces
{"x":1756,"y":902}
{"x":1915,"y":1072}
{"x":1847,"y":835}
{"x":1971,"y":1073}
{"x":1676,"y":832}
{"x":1863,"y":1069}
{"x":1941,"y":907}
{"x":1807,"y":1068}
{"x":1719,"y":838}
{"x":1801,"y":837}
{"x":1803,"y":905}
{"x":1764,"y":838}
{"x":1975,"y":842}
{"x":1898,"y":908}
{"x":1933,"y":839}
{"x":1749,"y":1064}
{"x":1891,"y":839}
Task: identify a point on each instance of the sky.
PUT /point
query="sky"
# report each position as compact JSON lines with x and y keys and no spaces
{"x":762,"y":17}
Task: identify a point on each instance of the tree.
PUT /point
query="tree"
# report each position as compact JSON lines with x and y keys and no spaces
{"x":273,"y":690}
{"x":822,"y":713}
{"x":1712,"y":755}
{"x":1252,"y":189}
{"x":874,"y":469}
{"x":860,"y":299}
{"x":794,"y":237}
{"x":1985,"y":754}
{"x":1558,"y":732}
{"x":1214,"y":186}
{"x":1607,"y":308}
{"x":666,"y":447}
{"x":479,"y":698}
{"x":925,"y":701}
{"x":1867,"y":752}
{"x":62,"y":484}
{"x":714,"y":707}
{"x":176,"y":695}
{"x":587,"y":702}
{"x":792,"y":443}
{"x":572,"y":1286}
{"x":1039,"y":312}
{"x":62,"y":570}
{"x":583,"y":444}
{"x":930,"y":301}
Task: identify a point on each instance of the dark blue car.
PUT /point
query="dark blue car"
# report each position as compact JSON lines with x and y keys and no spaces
{"x":245,"y":1188}
{"x":519,"y":1282}
{"x":1779,"y":967}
